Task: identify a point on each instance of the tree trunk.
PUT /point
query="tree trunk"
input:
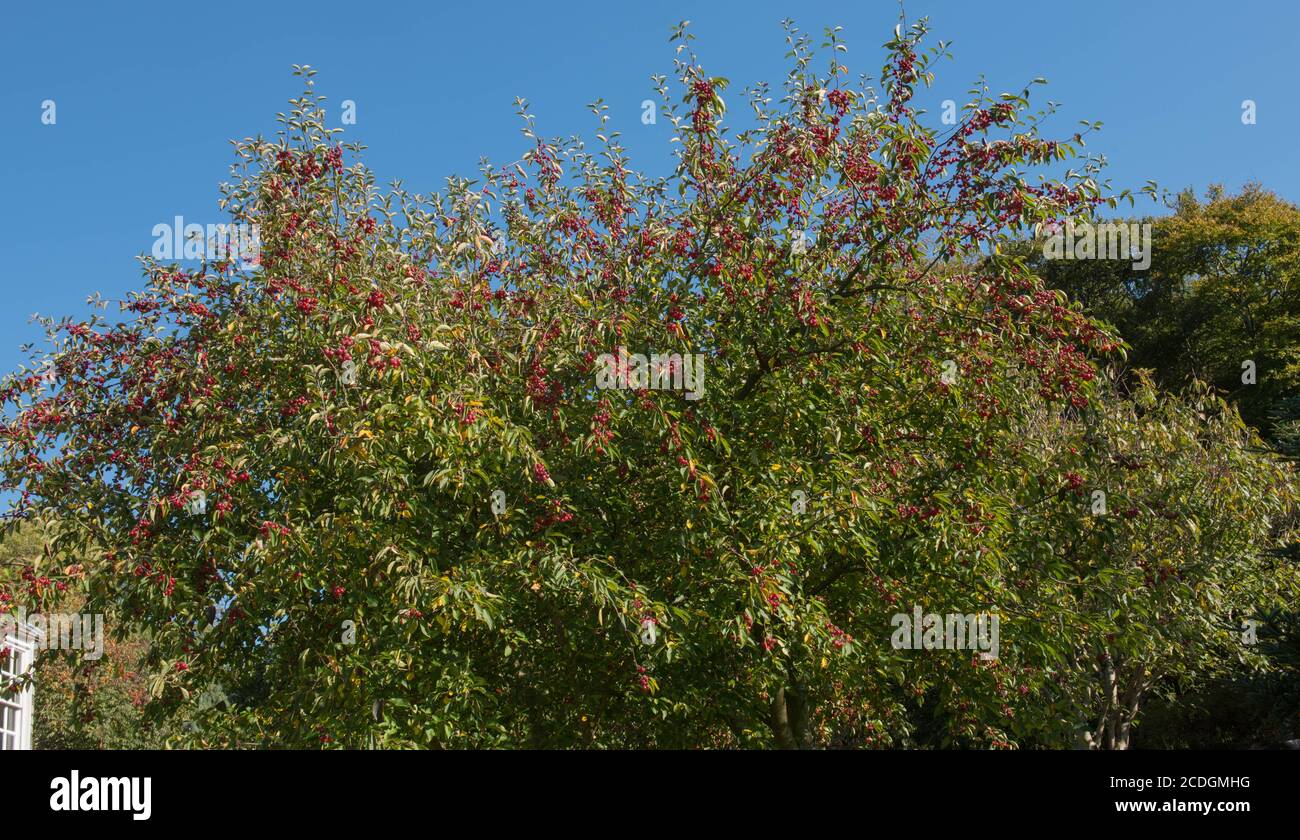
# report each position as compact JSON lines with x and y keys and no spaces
{"x":1116,"y":727}
{"x":788,"y":718}
{"x":779,"y":720}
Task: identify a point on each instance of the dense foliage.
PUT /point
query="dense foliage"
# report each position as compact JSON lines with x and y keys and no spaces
{"x":1223,"y":289}
{"x":375,"y":490}
{"x":1218,"y":303}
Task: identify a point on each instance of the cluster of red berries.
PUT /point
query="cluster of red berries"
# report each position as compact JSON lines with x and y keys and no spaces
{"x":541,"y":523}
{"x":294,"y":406}
{"x":908,"y":511}
{"x":840,"y":637}
{"x":267,"y":527}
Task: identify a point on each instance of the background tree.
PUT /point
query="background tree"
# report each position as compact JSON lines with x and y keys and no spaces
{"x":1156,"y":553}
{"x":79,"y":703}
{"x":1223,"y":288}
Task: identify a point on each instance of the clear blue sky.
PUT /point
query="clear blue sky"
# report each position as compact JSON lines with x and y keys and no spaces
{"x":148,"y":95}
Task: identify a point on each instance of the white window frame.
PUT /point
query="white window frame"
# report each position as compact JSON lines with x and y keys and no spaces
{"x":22,"y":645}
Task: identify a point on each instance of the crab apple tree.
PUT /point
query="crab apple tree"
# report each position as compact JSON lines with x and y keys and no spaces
{"x":374,"y":489}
